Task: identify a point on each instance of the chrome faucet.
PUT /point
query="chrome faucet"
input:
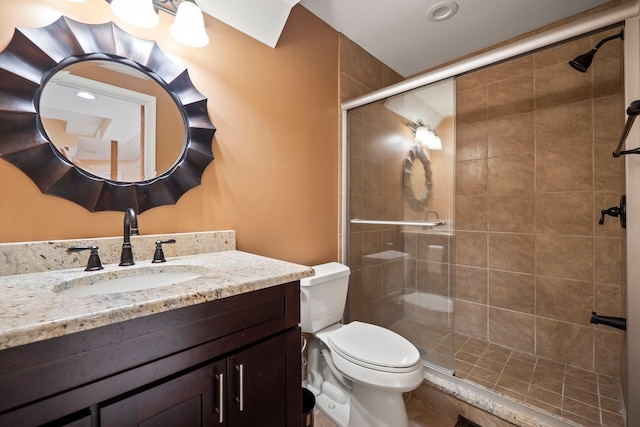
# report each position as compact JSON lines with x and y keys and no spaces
{"x":130,"y":228}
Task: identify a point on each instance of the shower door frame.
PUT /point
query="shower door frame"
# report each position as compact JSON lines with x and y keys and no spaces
{"x":627,"y":13}
{"x":632,"y":185}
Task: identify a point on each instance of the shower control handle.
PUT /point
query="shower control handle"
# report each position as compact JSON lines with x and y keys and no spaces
{"x":616,"y":211}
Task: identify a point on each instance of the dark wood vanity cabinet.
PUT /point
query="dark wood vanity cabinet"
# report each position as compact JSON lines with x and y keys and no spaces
{"x":183,"y":401}
{"x":230,"y":362}
{"x":246,"y":389}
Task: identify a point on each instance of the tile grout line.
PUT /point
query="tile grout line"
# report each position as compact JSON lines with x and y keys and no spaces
{"x":564,"y":385}
{"x":599,"y":400}
{"x":460,"y":341}
{"x":536,"y":364}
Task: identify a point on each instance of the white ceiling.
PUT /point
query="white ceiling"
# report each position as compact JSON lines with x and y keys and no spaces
{"x":397,"y":32}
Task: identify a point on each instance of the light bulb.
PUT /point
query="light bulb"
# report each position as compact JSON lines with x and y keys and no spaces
{"x":188,"y":27}
{"x":136,"y":12}
{"x":433,"y":142}
{"x":422,"y":134}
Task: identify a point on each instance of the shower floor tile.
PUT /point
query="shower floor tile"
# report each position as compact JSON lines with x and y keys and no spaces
{"x":582,"y":396}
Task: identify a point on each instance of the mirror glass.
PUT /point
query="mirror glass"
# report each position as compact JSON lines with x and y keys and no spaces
{"x":417,"y":175}
{"x":418,"y":179}
{"x":112,"y":121}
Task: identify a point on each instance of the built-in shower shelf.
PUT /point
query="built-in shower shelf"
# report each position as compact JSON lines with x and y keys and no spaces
{"x":387,"y":255}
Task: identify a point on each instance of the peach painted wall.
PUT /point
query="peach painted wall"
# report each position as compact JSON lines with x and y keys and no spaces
{"x":275,"y":175}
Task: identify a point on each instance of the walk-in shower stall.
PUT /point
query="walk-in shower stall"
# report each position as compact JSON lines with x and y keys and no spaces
{"x":472,"y":208}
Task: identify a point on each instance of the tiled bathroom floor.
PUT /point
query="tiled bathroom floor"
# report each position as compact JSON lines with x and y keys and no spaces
{"x":419,"y":416}
{"x":591,"y":399}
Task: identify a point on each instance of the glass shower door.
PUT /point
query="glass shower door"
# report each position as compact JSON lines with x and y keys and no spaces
{"x":400,"y":231}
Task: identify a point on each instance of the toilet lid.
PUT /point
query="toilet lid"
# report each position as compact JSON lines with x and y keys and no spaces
{"x":373,"y":345}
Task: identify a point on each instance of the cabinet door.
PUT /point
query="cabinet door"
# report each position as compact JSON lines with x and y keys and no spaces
{"x":70,"y":421}
{"x":189,"y":400}
{"x":264,"y":384}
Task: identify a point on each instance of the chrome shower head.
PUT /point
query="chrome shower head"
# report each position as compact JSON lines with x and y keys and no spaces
{"x":583,"y":62}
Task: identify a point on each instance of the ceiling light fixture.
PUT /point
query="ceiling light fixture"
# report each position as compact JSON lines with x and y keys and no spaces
{"x":187,"y":28}
{"x":84,"y":94}
{"x":426,"y":136}
{"x":442,"y":11}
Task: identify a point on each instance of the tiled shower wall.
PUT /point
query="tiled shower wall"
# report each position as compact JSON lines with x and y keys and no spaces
{"x":361,"y":73}
{"x":377,"y":150}
{"x":533,"y":170}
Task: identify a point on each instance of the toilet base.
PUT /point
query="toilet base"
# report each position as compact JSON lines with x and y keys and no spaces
{"x":338,"y":413}
{"x":369,"y":408}
{"x":376,"y":408}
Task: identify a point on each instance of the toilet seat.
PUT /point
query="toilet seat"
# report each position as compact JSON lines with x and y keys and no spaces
{"x":374,"y":347}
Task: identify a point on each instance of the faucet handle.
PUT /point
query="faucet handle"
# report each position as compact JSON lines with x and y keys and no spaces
{"x":158,"y":256}
{"x":616,"y":211}
{"x":94,"y":262}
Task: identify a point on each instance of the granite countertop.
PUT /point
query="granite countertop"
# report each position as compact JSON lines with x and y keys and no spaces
{"x":34,"y":306}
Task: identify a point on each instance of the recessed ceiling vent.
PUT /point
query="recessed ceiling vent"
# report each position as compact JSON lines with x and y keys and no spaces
{"x":442,"y":11}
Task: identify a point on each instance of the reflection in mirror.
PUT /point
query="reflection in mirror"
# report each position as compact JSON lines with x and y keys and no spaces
{"x":112,"y":121}
{"x":417,"y":175}
{"x":429,"y":109}
{"x":418,"y":178}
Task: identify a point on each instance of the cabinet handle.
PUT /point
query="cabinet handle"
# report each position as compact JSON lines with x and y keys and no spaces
{"x":240,"y":398}
{"x":220,"y":408}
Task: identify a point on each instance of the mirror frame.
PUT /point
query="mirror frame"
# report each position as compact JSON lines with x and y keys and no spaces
{"x":417,"y":153}
{"x":28,"y":62}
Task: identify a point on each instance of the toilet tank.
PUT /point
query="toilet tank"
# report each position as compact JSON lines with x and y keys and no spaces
{"x":323,"y":296}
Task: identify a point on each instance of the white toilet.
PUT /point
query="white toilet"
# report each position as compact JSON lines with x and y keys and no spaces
{"x":357,"y":371}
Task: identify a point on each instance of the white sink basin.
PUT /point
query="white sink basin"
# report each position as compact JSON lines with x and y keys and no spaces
{"x":136,"y":281}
